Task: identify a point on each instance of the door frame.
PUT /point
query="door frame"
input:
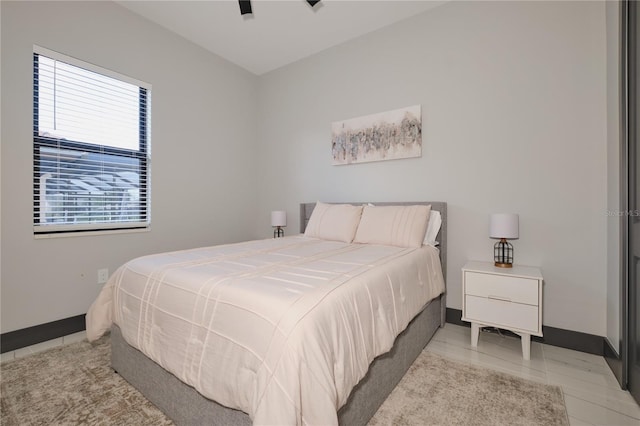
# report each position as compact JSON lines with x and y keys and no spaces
{"x":630,"y":157}
{"x":624,"y":191}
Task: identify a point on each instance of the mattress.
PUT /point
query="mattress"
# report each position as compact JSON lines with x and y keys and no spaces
{"x":282,"y":329}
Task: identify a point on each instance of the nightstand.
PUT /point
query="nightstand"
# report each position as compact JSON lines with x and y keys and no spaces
{"x":508,"y":298}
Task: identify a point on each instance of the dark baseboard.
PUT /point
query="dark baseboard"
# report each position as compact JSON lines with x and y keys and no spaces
{"x":454,"y":316}
{"x":615,"y":362}
{"x":40,"y":333}
{"x":568,"y":339}
{"x":575,"y":340}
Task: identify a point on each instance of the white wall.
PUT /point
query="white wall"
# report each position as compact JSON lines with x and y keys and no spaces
{"x":203,"y":132}
{"x":511,"y":92}
{"x":613,"y":174}
{"x":514,"y":102}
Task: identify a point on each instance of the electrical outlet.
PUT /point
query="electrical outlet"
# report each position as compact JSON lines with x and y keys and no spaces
{"x":103,"y":275}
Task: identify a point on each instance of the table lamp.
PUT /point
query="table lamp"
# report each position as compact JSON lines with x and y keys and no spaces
{"x":278,"y":221}
{"x":503,"y":226}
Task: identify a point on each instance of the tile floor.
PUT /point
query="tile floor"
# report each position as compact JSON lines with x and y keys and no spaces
{"x":591,"y":391}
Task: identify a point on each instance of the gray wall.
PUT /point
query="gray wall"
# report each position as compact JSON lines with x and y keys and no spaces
{"x":514,"y":106}
{"x":203,"y":132}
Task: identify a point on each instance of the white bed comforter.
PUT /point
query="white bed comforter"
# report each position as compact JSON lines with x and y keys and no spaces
{"x":282,"y":329}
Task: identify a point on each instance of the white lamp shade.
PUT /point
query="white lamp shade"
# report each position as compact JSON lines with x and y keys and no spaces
{"x":503,"y":225}
{"x":279,"y":218}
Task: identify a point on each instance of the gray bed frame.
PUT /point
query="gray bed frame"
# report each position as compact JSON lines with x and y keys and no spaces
{"x":185,"y":406}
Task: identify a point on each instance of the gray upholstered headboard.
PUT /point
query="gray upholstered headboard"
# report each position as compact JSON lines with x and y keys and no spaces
{"x":441,"y":206}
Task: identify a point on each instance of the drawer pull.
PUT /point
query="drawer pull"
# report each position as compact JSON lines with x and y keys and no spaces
{"x":504,"y":299}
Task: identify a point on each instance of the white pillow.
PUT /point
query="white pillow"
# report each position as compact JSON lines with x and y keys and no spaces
{"x":402,"y":226}
{"x":336,"y":222}
{"x":435,"y":222}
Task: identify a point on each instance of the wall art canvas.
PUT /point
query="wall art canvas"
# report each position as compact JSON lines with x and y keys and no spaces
{"x":384,"y":136}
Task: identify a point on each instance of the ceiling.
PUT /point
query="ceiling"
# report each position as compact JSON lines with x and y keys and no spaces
{"x":278,"y":32}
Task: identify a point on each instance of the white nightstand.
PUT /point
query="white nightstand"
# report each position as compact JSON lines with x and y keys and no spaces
{"x":508,"y":298}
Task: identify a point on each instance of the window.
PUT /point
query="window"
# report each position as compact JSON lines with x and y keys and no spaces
{"x":90,"y":147}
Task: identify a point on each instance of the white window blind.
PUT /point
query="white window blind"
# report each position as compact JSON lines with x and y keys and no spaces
{"x":91,"y":147}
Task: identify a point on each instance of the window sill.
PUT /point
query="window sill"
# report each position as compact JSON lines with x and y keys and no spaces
{"x":90,"y":233}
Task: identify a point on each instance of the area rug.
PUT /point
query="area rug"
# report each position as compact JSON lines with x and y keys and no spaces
{"x":438,"y":391}
{"x":74,"y":384}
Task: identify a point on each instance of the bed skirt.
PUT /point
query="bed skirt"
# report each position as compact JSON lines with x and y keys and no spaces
{"x":185,"y":406}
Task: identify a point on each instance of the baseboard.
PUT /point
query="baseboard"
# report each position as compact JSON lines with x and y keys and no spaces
{"x":40,"y":333}
{"x":454,"y":316}
{"x":575,"y":340}
{"x":615,"y":362}
{"x":568,"y":339}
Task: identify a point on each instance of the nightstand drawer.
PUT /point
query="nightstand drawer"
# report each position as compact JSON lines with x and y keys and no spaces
{"x":509,"y":288}
{"x":502,"y":314}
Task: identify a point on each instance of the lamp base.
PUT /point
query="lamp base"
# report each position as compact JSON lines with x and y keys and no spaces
{"x":503,"y":254}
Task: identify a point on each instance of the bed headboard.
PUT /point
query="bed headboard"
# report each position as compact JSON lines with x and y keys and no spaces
{"x":441,"y":206}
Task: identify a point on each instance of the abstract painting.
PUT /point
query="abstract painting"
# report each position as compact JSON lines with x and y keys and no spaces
{"x":384,"y":136}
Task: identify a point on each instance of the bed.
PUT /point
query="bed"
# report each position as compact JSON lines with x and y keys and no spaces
{"x":337,"y":346}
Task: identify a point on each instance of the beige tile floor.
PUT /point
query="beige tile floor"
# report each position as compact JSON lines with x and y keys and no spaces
{"x":591,"y":392}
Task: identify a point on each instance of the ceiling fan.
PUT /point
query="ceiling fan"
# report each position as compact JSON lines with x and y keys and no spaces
{"x":245,"y":6}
